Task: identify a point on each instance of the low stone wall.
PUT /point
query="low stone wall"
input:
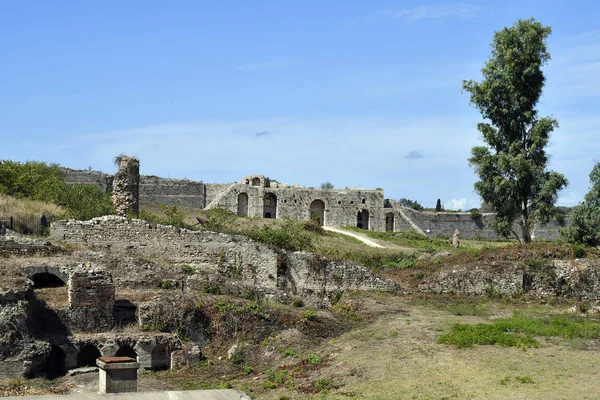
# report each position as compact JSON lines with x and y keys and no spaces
{"x":317,"y":278}
{"x":569,"y":278}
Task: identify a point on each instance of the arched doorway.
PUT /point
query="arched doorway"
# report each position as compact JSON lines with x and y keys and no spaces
{"x":362,"y":219}
{"x":270,"y":206}
{"x":126,"y":351}
{"x":255,"y":181}
{"x":389,"y":222}
{"x":160,"y":357}
{"x":55,"y":363}
{"x":43,"y":280}
{"x":316,"y":211}
{"x":242,"y":208}
{"x":87,"y":356}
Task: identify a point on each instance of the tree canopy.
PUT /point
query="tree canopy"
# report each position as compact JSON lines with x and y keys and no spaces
{"x":584,"y":226}
{"x":512,"y":164}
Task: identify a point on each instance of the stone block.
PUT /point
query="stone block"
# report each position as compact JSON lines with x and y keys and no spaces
{"x":117,"y":374}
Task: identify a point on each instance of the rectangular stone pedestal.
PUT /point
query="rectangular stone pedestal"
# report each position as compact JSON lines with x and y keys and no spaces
{"x":117,"y":374}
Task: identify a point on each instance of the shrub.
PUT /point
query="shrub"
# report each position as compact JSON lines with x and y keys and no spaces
{"x":475,"y":214}
{"x":188,"y":269}
{"x":239,"y":355}
{"x":578,"y":251}
{"x":308,"y":315}
{"x":322,"y":383}
{"x":291,"y":236}
{"x":44,"y":182}
{"x":174,"y":215}
{"x":313,"y":359}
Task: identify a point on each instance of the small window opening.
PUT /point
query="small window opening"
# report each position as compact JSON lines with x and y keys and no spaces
{"x":364,"y":201}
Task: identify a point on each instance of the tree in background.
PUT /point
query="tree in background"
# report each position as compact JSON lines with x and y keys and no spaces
{"x":438,"y":205}
{"x":327,"y":185}
{"x":512,"y":166}
{"x":584,"y":226}
{"x":410,"y":204}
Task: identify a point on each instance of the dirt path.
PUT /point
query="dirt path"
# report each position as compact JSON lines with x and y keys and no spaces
{"x":363,"y":239}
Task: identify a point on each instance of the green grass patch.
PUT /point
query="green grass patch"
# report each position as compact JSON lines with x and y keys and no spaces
{"x":519,"y":331}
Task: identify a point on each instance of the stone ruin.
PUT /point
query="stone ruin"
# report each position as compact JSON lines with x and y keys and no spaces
{"x":256,"y":196}
{"x":126,"y":187}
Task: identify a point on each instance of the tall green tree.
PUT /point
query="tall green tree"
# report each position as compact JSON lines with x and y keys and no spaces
{"x":584,"y":225}
{"x":512,"y":164}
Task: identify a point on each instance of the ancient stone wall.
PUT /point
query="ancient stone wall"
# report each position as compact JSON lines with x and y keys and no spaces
{"x":335,"y":207}
{"x":213,"y":190}
{"x":152,"y":188}
{"x":166,"y":191}
{"x":579,"y":278}
{"x":317,"y":278}
{"x":234,"y":264}
{"x":91,"y":299}
{"x":443,"y":224}
{"x":85,"y":177}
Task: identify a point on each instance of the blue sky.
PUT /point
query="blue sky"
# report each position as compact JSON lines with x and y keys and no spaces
{"x":359,"y":93}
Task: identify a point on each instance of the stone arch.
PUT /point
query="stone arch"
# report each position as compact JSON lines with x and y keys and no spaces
{"x":160,"y":357}
{"x":242,"y":205}
{"x":42,"y":280}
{"x":87,"y":356}
{"x":389,"y":222}
{"x":55,"y":363}
{"x":126,"y":351}
{"x":316,"y":211}
{"x":256,"y":181}
{"x":362,"y":219}
{"x":270,"y":206}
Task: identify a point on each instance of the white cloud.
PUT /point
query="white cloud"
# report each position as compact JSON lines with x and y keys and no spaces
{"x":433,"y":12}
{"x":457,"y":204}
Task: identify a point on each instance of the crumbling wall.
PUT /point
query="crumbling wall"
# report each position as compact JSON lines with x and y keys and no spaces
{"x":319,"y":279}
{"x":20,"y":353}
{"x":91,"y":299}
{"x":126,"y":187}
{"x":234,"y":264}
{"x":579,"y":278}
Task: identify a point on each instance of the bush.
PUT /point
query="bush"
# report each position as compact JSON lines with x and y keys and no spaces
{"x":220,"y":220}
{"x":578,"y":251}
{"x":174,"y":215}
{"x":291,"y":236}
{"x":44,"y":182}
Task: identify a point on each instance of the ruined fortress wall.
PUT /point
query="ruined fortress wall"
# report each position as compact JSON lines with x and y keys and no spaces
{"x":166,"y":191}
{"x":85,"y":177}
{"x":212,"y":190}
{"x":340,"y":206}
{"x":152,"y":188}
{"x":443,"y":224}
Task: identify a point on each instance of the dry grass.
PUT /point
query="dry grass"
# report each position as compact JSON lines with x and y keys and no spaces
{"x":26,"y":208}
{"x":396,"y":357}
